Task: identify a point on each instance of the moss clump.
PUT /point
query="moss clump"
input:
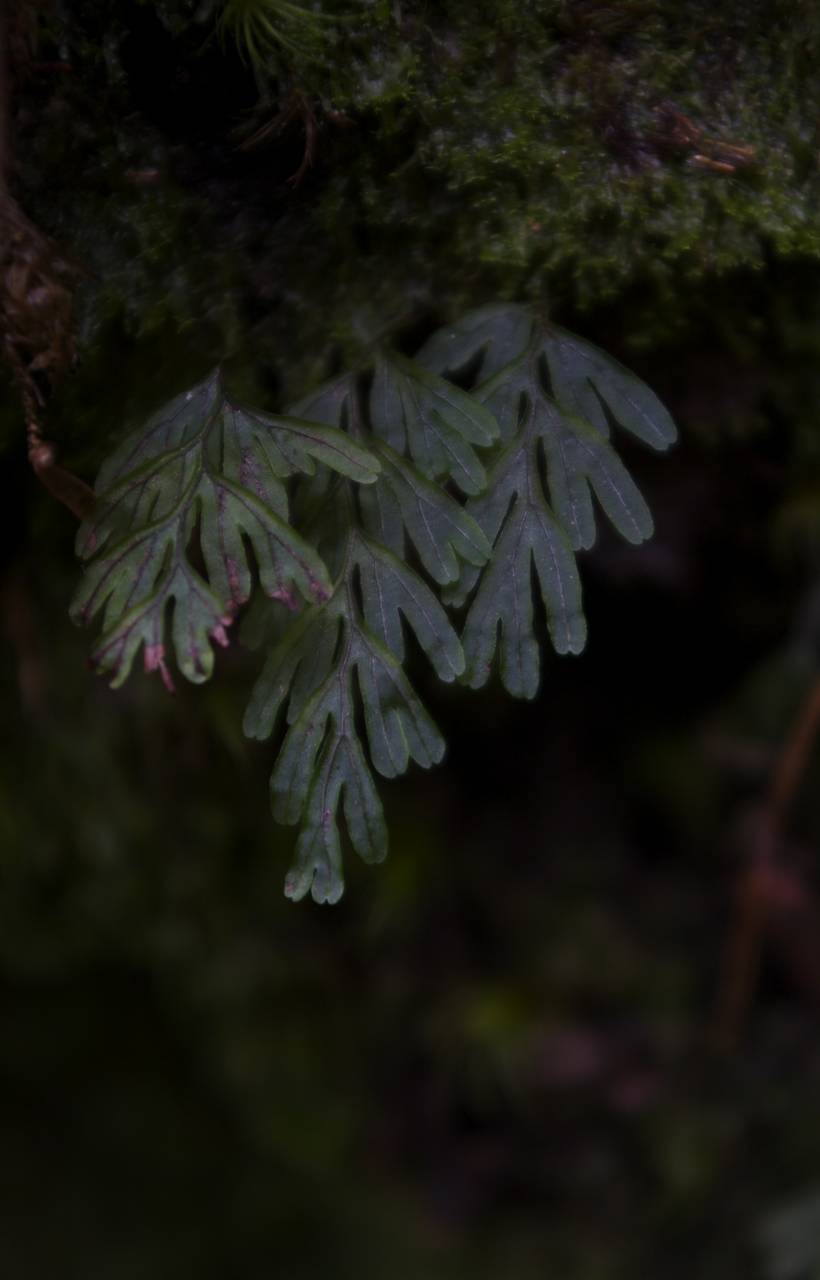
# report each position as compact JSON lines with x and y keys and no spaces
{"x":582,"y":153}
{"x":587,"y":154}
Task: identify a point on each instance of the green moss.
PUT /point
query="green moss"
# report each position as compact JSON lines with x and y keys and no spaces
{"x":463,"y":152}
{"x":551,"y":152}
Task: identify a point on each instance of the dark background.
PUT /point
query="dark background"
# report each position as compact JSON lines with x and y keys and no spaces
{"x":523,"y":1045}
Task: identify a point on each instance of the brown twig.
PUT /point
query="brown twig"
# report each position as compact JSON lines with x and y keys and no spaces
{"x":762,"y":885}
{"x":296,"y":109}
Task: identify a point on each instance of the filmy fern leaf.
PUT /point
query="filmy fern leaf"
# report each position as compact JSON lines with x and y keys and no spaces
{"x":483,"y":341}
{"x":409,"y":494}
{"x":553,"y":400}
{"x":583,"y":380}
{"x":432,"y":420}
{"x":579,"y":459}
{"x":348,"y":653}
{"x":406,"y":506}
{"x":516,"y":518}
{"x":324,"y":666}
{"x":207,"y":470}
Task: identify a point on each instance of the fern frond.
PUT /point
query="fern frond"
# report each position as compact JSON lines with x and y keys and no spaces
{"x":323,"y":667}
{"x":207,"y":470}
{"x":434,"y":422}
{"x":406,"y":506}
{"x":347,"y":655}
{"x":516,"y":519}
{"x":409,"y":494}
{"x":482,"y":341}
{"x":262,"y":28}
{"x":553,"y":400}
{"x":579,"y":459}
{"x":585,"y":381}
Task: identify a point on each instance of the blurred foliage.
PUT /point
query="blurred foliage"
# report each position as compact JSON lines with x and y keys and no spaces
{"x":494,"y":1057}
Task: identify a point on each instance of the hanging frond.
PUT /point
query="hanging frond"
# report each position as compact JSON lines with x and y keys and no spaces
{"x":208,"y":472}
{"x":344,"y":659}
{"x":554,"y":400}
{"x":408,"y":495}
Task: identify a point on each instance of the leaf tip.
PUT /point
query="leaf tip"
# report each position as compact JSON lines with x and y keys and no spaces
{"x":296,"y":886}
{"x":321,"y":591}
{"x":155,"y":661}
{"x":327,"y":890}
{"x":369,"y":468}
{"x":285,"y":596}
{"x":219,"y":632}
{"x":572,"y":637}
{"x":324,"y":887}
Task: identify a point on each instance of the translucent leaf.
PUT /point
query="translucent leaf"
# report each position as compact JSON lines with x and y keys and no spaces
{"x":437,"y":424}
{"x":193,"y":503}
{"x":330,"y":403}
{"x":341,"y":665}
{"x":489,"y":338}
{"x":136,"y":618}
{"x":342,"y":770}
{"x":336,"y":659}
{"x":579,"y":460}
{"x":551,"y":405}
{"x":515,"y":516}
{"x":584,"y":379}
{"x":208,"y":471}
{"x":389,"y":591}
{"x":404,"y":505}
{"x":321,"y":502}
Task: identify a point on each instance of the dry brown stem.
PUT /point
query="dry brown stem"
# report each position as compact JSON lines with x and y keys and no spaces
{"x":765,"y":892}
